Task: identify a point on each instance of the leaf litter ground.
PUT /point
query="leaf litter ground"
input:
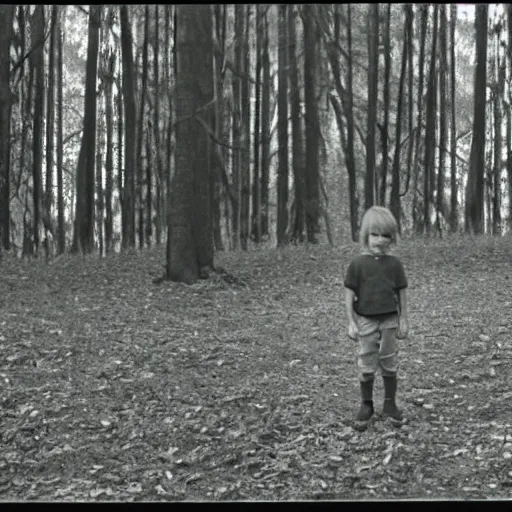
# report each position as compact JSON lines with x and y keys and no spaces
{"x":243,"y":386}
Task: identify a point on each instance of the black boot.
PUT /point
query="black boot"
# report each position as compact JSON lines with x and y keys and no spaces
{"x":366,"y":409}
{"x":390,"y":409}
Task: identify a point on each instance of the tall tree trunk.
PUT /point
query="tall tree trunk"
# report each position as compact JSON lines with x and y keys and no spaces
{"x":373,"y":71}
{"x":236,"y":125}
{"x":498,"y":92}
{"x":312,"y":173}
{"x":417,"y":216}
{"x":297,"y":132}
{"x":245,"y":142}
{"x":385,"y":128}
{"x":443,"y":131}
{"x":50,"y":129}
{"x":256,"y":183}
{"x":83,"y":237}
{"x":149,"y":189}
{"x":61,"y":229}
{"x":100,"y":197}
{"x":454,"y":214}
{"x":474,"y":211}
{"x":37,"y":29}
{"x":6,"y":29}
{"x":156,"y":127}
{"x":509,"y":118}
{"x":350,"y":156}
{"x":265,"y":128}
{"x":430,"y":129}
{"x":140,"y":129}
{"x":130,"y":126}
{"x":109,"y":122}
{"x":409,"y":16}
{"x":395,"y":184}
{"x":220,"y":167}
{"x":282,"y":127}
{"x":190,"y":230}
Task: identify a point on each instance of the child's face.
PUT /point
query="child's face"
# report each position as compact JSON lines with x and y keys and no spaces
{"x":379,"y":243}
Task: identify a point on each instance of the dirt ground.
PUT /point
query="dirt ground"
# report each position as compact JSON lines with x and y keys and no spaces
{"x":244,"y":386}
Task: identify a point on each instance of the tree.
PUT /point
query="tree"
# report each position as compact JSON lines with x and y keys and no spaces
{"x":61,"y":230}
{"x":190,"y":241}
{"x":417,"y":221}
{"x":509,"y":118}
{"x":37,"y":28}
{"x":282,"y":127}
{"x":6,"y":24}
{"x":130,"y":126}
{"x":454,"y":216}
{"x":245,"y":139}
{"x":474,"y":207}
{"x":83,"y":237}
{"x":430,"y":129}
{"x":385,"y":126}
{"x":265,"y":128}
{"x":311,"y":71}
{"x":140,"y":128}
{"x":443,"y":129}
{"x":373,"y":69}
{"x":395,"y":185}
{"x":297,"y":133}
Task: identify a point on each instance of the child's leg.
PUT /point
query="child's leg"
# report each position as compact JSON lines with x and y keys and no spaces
{"x":389,"y":366}
{"x":368,"y":363}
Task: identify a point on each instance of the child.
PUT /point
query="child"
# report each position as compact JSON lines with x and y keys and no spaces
{"x":376,"y":303}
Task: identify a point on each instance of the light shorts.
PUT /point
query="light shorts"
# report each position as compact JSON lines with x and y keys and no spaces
{"x":377,"y":345}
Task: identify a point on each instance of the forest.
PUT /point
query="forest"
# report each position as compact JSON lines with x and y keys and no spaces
{"x":280,"y":124}
{"x":181,"y":194}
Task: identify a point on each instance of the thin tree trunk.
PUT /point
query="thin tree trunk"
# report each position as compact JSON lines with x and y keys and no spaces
{"x":149,"y":190}
{"x":297,"y":133}
{"x":385,"y":128}
{"x":312,"y":173}
{"x":83,"y":237}
{"x":61,"y":230}
{"x":410,"y":94}
{"x":373,"y":63}
{"x":509,"y":118}
{"x":6,"y":29}
{"x":130,"y":126}
{"x":265,"y":129}
{"x":395,"y":184}
{"x":474,"y":207}
{"x":245,"y":141}
{"x":100,"y":198}
{"x":256,"y":184}
{"x":499,"y":90}
{"x":282,"y":127}
{"x":50,"y":129}
{"x":140,"y":130}
{"x":236,"y":125}
{"x":418,"y":223}
{"x":37,"y":23}
{"x":430,"y":129}
{"x":443,"y":130}
{"x":454,"y":214}
{"x":156,"y":127}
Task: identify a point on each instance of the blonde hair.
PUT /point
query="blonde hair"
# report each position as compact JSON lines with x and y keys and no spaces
{"x":378,"y":219}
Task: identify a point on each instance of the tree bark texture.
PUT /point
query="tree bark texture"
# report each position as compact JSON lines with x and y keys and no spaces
{"x":474,"y":207}
{"x":6,"y":27}
{"x":190,"y":230}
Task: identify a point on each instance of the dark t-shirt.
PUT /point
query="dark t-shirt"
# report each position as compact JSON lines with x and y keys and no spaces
{"x":375,"y":281}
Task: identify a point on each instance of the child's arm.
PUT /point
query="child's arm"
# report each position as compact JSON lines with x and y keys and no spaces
{"x":403,"y":324}
{"x":349,"y":306}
